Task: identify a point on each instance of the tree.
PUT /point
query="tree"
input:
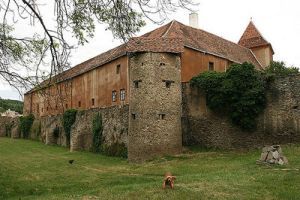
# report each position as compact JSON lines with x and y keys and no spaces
{"x":50,"y":47}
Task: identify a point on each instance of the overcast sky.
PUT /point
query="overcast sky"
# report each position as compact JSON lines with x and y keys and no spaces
{"x":277,"y":20}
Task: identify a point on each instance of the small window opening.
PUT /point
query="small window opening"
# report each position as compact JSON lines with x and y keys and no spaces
{"x":79,"y":104}
{"x":114,"y":95}
{"x":55,"y":107}
{"x":118,"y":69}
{"x":142,"y":63}
{"x":133,"y":115}
{"x":168,"y":83}
{"x":122,"y":94}
{"x":66,"y":105}
{"x":136,"y":83}
{"x":162,"y":116}
{"x":47,"y":109}
{"x":211,"y":66}
{"x":162,"y":64}
{"x":93,"y":101}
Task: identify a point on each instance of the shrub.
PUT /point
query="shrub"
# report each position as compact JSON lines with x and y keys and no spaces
{"x":97,"y":133}
{"x":239,"y":93}
{"x":25,"y":125}
{"x":115,"y":149}
{"x":69,"y":118}
{"x":280,"y":69}
{"x":8,"y":128}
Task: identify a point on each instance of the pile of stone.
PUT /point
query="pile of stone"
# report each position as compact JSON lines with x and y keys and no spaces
{"x":273,"y":155}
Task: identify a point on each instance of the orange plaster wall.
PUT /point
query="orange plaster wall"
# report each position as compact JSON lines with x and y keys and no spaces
{"x":97,"y":83}
{"x":194,"y":62}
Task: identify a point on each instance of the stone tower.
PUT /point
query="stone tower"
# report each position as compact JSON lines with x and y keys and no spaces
{"x":155,"y":105}
{"x":261,"y":48}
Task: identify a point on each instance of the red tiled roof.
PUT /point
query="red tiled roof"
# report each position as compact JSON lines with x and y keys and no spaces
{"x":172,"y":37}
{"x":145,"y":44}
{"x":206,"y":42}
{"x":252,"y":37}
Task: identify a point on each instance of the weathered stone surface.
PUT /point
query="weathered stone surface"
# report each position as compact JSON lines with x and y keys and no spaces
{"x":271,"y":155}
{"x":115,"y":127}
{"x":9,"y":127}
{"x":155,"y":107}
{"x":278,"y":124}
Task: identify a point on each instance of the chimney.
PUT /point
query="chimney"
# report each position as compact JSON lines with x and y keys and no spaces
{"x":193,"y":20}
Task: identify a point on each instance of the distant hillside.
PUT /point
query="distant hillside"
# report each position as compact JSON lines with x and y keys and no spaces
{"x":15,"y":105}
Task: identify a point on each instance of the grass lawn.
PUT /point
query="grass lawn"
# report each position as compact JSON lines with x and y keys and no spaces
{"x":32,"y":170}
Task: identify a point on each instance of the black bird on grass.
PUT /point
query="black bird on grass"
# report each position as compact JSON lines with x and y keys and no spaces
{"x":71,"y":161}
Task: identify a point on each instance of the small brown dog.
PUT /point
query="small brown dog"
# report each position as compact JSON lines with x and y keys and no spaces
{"x":168,"y":180}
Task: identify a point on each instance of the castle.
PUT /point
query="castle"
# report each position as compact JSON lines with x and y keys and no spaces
{"x":147,"y":74}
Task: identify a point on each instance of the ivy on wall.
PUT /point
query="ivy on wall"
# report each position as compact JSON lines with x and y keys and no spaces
{"x":239,"y":93}
{"x":69,"y":118}
{"x":97,"y":129}
{"x":25,"y":125}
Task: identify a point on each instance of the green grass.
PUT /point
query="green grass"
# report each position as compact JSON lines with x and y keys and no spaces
{"x":32,"y":170}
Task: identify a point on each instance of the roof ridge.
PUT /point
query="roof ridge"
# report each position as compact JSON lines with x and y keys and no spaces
{"x":213,"y":35}
{"x":167,"y":31}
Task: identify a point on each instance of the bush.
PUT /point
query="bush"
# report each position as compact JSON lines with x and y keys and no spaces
{"x":279,"y":69}
{"x":8,"y":128}
{"x":25,"y":125}
{"x":69,"y":117}
{"x":97,"y":133}
{"x":239,"y":93}
{"x":115,"y":149}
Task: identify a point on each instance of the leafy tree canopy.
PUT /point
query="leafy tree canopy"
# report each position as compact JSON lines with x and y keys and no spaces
{"x":76,"y":17}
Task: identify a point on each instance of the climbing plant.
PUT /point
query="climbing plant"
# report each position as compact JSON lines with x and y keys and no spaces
{"x":25,"y":125}
{"x":280,"y":69}
{"x":69,"y":118}
{"x":239,"y":93}
{"x":97,"y":132}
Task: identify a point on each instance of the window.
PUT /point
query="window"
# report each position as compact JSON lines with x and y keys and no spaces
{"x":66,"y":106}
{"x":79,"y":104}
{"x":162,"y":64}
{"x":162,"y":116}
{"x":114,"y":96}
{"x":136,"y":83}
{"x":168,"y":83}
{"x":118,"y":69}
{"x":93,"y":101}
{"x":133,"y":115}
{"x":55,"y":107}
{"x":122,"y":94}
{"x":47,"y":108}
{"x":211,"y":66}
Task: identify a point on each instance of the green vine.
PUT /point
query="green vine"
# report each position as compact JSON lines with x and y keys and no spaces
{"x":239,"y":93}
{"x":25,"y":125}
{"x":69,"y":118}
{"x":97,"y":132}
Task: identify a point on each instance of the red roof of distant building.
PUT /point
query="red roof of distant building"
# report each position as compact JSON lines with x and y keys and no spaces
{"x":252,"y":38}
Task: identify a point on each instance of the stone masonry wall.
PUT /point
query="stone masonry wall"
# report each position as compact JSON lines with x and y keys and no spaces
{"x":115,"y":128}
{"x":155,"y":106}
{"x":279,"y":124}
